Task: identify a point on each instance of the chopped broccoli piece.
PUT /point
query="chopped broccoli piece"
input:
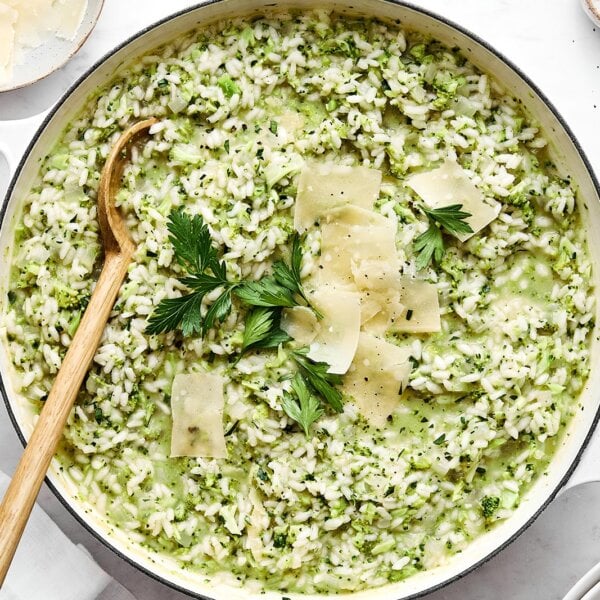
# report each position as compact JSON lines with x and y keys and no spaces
{"x":228,"y":86}
{"x":489,"y":505}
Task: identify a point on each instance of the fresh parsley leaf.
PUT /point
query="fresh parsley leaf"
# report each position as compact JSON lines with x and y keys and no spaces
{"x":262,"y":329}
{"x":273,"y":127}
{"x":318,"y":378}
{"x":258,"y":325}
{"x":191,"y":241}
{"x":451,"y":218}
{"x":276,"y":337}
{"x":265,"y":292}
{"x":171,"y":312}
{"x":217,"y":311}
{"x":430,"y":244}
{"x":194,"y":251}
{"x":290,"y":276}
{"x":302,"y":407}
{"x":203,"y":283}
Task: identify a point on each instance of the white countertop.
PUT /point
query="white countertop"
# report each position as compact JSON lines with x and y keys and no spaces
{"x":554,"y":43}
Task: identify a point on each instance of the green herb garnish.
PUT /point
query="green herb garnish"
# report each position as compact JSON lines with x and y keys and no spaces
{"x":440,"y":440}
{"x":266,"y":292}
{"x":194,"y":251}
{"x":318,"y":378}
{"x":430,"y":244}
{"x":303,"y":407}
{"x":262,"y":329}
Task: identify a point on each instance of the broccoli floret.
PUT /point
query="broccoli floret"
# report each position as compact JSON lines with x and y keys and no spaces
{"x":228,"y":86}
{"x":489,"y":505}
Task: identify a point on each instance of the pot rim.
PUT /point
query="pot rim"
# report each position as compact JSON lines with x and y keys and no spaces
{"x":400,"y":3}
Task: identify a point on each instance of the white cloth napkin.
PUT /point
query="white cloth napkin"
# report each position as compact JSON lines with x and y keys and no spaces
{"x":48,"y":566}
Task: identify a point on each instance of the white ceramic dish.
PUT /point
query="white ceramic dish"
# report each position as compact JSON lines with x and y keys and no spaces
{"x":566,"y":153}
{"x":37,"y":63}
{"x":592,"y":9}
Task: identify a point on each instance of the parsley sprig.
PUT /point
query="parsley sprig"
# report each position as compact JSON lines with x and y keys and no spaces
{"x":430,"y":244}
{"x":194,"y":251}
{"x":262,"y":329}
{"x":317,"y":377}
{"x":302,"y":406}
{"x":313,"y":386}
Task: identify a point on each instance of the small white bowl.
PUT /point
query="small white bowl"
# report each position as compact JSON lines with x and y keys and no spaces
{"x":592,"y":9}
{"x":37,"y":63}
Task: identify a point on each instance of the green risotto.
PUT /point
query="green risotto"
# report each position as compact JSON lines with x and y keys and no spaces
{"x":305,"y":488}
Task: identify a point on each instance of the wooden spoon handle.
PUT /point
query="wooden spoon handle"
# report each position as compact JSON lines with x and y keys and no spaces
{"x":31,"y":470}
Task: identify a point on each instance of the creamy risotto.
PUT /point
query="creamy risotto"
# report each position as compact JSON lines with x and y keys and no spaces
{"x":426,"y":303}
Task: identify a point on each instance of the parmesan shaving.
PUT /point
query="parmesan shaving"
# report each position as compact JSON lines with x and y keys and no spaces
{"x":337,"y":338}
{"x":422,"y":313}
{"x":377,"y":378}
{"x":197,"y":408}
{"x":449,"y":184}
{"x":27,"y":24}
{"x":381,"y":305}
{"x":324,"y":186}
{"x":8,"y":18}
{"x":300,"y":323}
{"x":66,"y":17}
{"x":344,"y":243}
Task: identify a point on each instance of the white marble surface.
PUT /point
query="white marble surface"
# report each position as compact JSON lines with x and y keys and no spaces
{"x":556,"y":45}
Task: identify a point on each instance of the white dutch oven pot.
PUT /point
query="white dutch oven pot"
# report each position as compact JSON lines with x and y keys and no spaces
{"x":570,"y":466}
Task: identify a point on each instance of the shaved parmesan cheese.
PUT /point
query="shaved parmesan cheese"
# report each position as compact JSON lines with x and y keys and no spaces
{"x":26,"y":23}
{"x":344,"y":243}
{"x":336,"y":340}
{"x":66,"y":17}
{"x":422,"y":307}
{"x":8,"y":18}
{"x":197,"y":409}
{"x":381,"y":305}
{"x":377,"y":378}
{"x":391,"y":310}
{"x":324,"y":186}
{"x":355,"y":215}
{"x":405,"y":304}
{"x":300,"y":323}
{"x":31,"y":24}
{"x":449,"y":184}
{"x":377,"y":275}
{"x":370,"y":306}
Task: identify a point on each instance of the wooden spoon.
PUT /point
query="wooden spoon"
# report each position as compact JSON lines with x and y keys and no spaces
{"x":118,"y":250}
